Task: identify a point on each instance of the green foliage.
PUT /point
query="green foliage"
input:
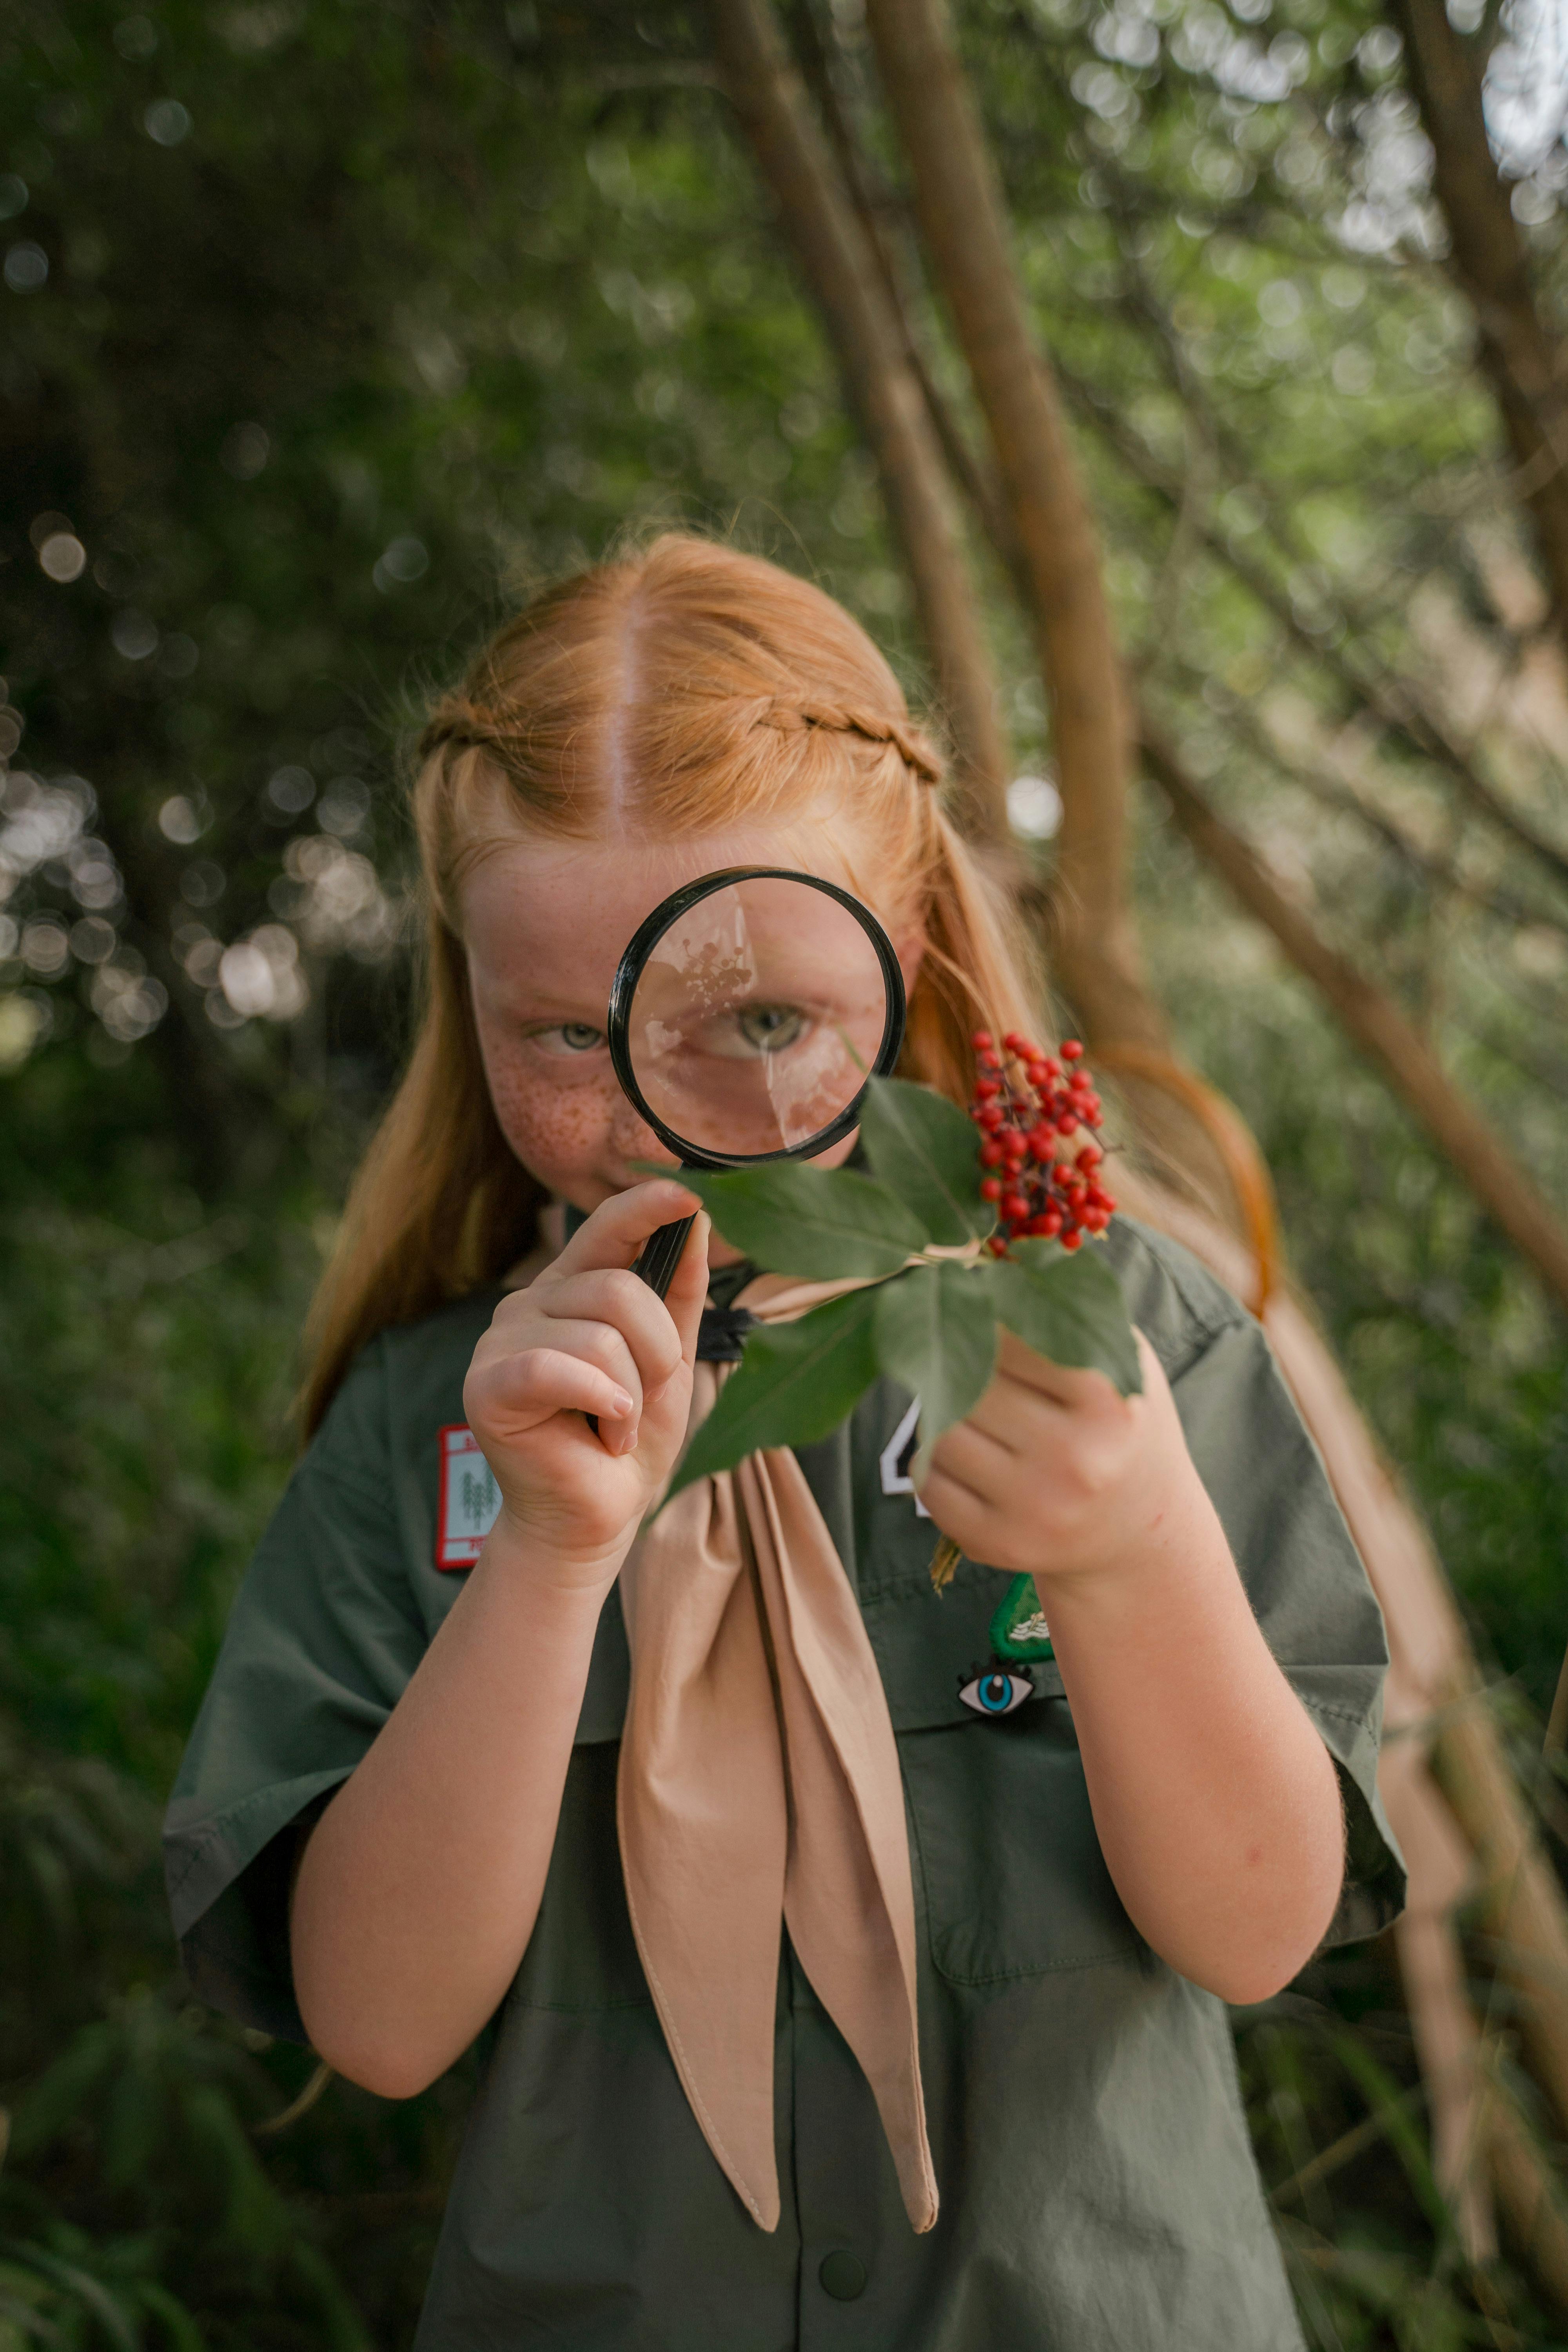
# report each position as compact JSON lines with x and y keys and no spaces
{"x":144,"y":1439}
{"x":932,"y":1325}
{"x":795,"y":1384}
{"x":936,"y":1332}
{"x":1068,"y":1309}
{"x":838,"y":1223}
{"x":922,"y":1148}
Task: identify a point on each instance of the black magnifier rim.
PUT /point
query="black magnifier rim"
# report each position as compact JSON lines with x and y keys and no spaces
{"x":628,"y":971}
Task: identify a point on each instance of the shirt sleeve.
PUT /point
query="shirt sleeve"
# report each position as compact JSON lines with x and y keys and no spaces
{"x":1303,"y":1575}
{"x":323,"y":1637}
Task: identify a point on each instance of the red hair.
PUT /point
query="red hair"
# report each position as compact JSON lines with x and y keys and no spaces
{"x":681,"y":689}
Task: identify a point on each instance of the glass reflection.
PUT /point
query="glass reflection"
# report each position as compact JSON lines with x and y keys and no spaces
{"x":757,"y":1017}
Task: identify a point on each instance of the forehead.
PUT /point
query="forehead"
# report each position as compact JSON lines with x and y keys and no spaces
{"x":547,"y":919}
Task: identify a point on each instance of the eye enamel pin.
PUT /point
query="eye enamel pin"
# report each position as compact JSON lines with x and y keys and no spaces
{"x":995,"y":1688}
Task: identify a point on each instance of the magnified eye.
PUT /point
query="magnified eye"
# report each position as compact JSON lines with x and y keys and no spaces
{"x":572,"y":1037}
{"x":769,"y":1028}
{"x":995,"y":1692}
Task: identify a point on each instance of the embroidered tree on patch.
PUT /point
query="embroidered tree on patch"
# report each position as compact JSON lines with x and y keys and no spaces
{"x":945,"y":1241}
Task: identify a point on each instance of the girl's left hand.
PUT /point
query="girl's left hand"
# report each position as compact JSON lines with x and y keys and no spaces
{"x":1054,"y":1475}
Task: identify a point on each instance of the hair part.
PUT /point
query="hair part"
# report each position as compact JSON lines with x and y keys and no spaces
{"x":685,"y":688}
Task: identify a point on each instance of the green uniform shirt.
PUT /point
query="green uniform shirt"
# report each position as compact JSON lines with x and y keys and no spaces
{"x":1098,"y":2192}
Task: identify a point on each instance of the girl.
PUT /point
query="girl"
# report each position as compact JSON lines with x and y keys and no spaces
{"x":912,"y":2034}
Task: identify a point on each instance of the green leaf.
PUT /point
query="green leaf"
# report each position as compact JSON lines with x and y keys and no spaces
{"x":924,"y":1147}
{"x":796,"y":1382}
{"x":1070,"y":1309}
{"x":936,"y":1332}
{"x":823,"y":1223}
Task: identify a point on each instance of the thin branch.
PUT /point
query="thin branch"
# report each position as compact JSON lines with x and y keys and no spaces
{"x":1370,"y":684}
{"x":841,"y":271}
{"x":1376,"y":1022}
{"x":1334,"y":792}
{"x":959,"y":207}
{"x":1349,"y":2144}
{"x":1524,"y":360}
{"x":874,"y":204}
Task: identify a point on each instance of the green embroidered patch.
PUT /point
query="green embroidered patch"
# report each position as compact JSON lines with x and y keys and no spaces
{"x":1018,"y":1630}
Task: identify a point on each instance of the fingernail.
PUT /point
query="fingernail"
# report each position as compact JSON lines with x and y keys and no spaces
{"x":623,"y":1404}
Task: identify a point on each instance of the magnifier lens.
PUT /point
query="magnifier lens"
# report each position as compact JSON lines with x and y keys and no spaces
{"x":757,"y":1017}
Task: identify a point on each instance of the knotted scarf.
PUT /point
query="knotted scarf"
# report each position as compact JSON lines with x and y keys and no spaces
{"x":759,"y":1783}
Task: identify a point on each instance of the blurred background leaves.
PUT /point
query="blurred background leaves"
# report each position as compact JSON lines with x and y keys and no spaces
{"x":326,"y":333}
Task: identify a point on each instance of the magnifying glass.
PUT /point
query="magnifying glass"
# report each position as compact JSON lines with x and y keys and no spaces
{"x":747,"y":1016}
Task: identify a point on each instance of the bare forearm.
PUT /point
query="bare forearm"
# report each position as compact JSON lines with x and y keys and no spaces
{"x":418,"y":1889}
{"x":1215,"y":1802}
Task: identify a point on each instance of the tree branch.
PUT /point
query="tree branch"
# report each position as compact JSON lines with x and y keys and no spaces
{"x":842,"y":271}
{"x":1374,"y":1021}
{"x":1445,"y":873}
{"x":1396,"y":706}
{"x":1522,"y":358}
{"x":959,"y":207}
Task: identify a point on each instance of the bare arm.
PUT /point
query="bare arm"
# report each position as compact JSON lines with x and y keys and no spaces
{"x":1215,"y":1802}
{"x":419,"y":1888}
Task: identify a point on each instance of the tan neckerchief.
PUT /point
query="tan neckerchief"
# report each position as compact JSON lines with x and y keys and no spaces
{"x":759,"y":1784}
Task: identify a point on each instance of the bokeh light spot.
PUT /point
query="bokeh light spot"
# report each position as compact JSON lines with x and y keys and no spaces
{"x":166,"y":121}
{"x":63,"y":557}
{"x":406,"y":559}
{"x":27,"y":267}
{"x":135,"y":37}
{"x":1034,"y":807}
{"x":291,"y":789}
{"x":244,"y":451}
{"x":180,"y":820}
{"x":134,"y":635}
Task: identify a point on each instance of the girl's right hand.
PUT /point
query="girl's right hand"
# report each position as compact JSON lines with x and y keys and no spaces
{"x":588,"y":1336}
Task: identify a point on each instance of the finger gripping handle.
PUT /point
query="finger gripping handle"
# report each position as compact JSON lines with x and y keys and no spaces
{"x":661,"y":1254}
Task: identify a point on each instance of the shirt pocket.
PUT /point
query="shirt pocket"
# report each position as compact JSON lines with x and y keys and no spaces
{"x":1015,"y":1882}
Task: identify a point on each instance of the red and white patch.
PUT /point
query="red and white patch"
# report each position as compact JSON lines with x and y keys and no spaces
{"x":468,"y":1503}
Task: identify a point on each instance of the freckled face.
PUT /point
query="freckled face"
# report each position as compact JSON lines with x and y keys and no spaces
{"x":544,"y":925}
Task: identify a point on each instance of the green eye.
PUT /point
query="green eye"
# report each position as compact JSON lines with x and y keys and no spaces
{"x":771,"y":1028}
{"x":568,"y":1038}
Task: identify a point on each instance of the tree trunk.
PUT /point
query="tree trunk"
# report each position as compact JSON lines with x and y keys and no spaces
{"x":844,"y":275}
{"x":1055,"y":561}
{"x":1524,"y":360}
{"x":959,"y":205}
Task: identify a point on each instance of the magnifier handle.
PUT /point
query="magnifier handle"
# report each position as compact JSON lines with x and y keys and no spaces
{"x":661,"y":1254}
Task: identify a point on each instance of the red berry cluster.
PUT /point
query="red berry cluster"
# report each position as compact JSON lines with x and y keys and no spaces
{"x":1028,"y":1105}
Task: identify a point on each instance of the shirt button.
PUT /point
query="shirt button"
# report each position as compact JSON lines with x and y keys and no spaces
{"x":843,"y":2276}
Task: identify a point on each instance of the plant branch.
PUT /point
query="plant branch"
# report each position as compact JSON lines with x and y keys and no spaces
{"x":842,"y":271}
{"x":1374,"y":1021}
{"x":1370,"y":685}
{"x":874,"y":204}
{"x":959,"y":207}
{"x":1523,"y":360}
{"x":1332,"y":792}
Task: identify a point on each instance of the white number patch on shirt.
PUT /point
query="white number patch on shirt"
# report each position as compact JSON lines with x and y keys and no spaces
{"x":468,"y":1503}
{"x":897,"y":1456}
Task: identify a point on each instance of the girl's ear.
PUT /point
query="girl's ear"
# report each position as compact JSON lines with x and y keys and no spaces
{"x":911,"y":948}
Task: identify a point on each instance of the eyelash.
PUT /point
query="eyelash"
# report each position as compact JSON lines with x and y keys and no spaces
{"x":562,"y":1032}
